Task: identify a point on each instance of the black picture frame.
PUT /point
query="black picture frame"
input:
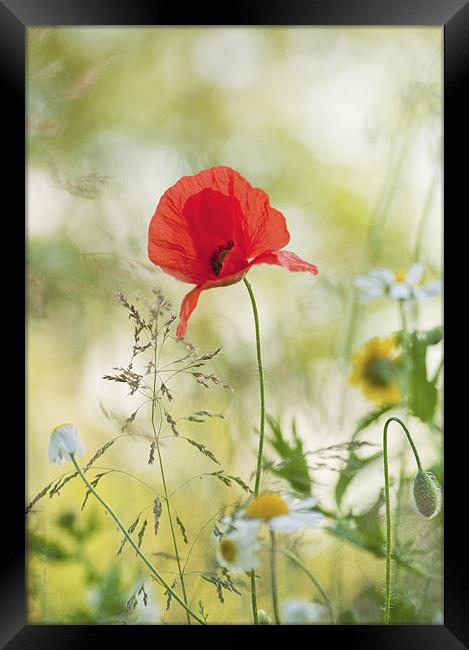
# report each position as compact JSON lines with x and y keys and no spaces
{"x":453,"y":17}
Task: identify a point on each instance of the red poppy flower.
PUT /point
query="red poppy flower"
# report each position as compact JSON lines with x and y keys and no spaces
{"x":209,"y":229}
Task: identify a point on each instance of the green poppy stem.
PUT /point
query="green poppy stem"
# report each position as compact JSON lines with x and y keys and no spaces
{"x":388,"y":587}
{"x":261,"y":428}
{"x":139,"y":552}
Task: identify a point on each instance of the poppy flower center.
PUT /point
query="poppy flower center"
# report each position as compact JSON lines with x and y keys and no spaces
{"x":228,"y":549}
{"x":266,"y":506}
{"x":218,"y":255}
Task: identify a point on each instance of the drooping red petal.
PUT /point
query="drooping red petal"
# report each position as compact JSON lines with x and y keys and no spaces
{"x":287,"y":259}
{"x":188,"y":305}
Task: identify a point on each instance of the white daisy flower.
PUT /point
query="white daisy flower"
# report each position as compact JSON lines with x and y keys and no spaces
{"x":65,"y":440}
{"x":380,"y":283}
{"x":237,"y":548}
{"x":283,"y":513}
{"x":300,"y":612}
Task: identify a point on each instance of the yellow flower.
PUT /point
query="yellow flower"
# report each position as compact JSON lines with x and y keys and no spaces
{"x":376,"y":369}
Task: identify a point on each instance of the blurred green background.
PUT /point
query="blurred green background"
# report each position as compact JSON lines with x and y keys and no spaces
{"x":342,"y":128}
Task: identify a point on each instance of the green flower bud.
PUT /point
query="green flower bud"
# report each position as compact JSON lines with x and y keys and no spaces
{"x":427,"y":494}
{"x":263,"y":617}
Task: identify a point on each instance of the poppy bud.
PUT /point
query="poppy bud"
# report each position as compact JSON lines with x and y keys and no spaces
{"x":427,"y":494}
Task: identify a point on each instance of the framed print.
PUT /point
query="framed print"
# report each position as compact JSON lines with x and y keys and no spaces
{"x":234,"y":348}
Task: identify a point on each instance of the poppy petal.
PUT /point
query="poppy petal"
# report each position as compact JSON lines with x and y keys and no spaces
{"x":263,"y":228}
{"x":288,"y":259}
{"x":201,"y":214}
{"x":170,"y":245}
{"x":188,"y":305}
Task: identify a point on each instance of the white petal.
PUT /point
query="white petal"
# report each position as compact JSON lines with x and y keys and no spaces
{"x":400,"y":291}
{"x":246,"y":544}
{"x":246,"y":527}
{"x":429,"y":289}
{"x":297,"y":611}
{"x":309,"y":518}
{"x":247,"y":560}
{"x":385,"y":275}
{"x":414,"y":274}
{"x":54,"y":450}
{"x":68,"y":435}
{"x":369,"y":285}
{"x":65,"y":440}
{"x":286,"y":523}
{"x":368,"y":297}
{"x":80,"y":447}
{"x":304,"y":504}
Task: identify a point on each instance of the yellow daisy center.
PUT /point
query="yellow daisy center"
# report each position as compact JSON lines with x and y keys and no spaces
{"x":227,"y":549}
{"x":399,"y":276}
{"x":266,"y":506}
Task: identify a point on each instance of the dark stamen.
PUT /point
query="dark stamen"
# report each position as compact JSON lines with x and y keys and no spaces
{"x":218,"y":255}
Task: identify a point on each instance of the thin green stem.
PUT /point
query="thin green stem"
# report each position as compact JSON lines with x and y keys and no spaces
{"x":388,"y":587}
{"x":405,"y":341}
{"x":261,"y":387}
{"x":165,"y":489}
{"x":261,"y":429}
{"x":255,"y":615}
{"x":273,"y":577}
{"x":406,"y":383}
{"x":296,"y":560}
{"x":139,"y":552}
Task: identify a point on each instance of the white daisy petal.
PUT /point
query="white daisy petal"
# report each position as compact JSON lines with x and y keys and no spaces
{"x":304,"y":504}
{"x":415,"y":273}
{"x":298,"y":611}
{"x":53,"y":452}
{"x":237,"y":549}
{"x":369,"y":285}
{"x":65,"y":440}
{"x":286,"y":523}
{"x":429,"y":289}
{"x":386,"y":276}
{"x":309,"y":518}
{"x":400,"y":291}
{"x":368,"y":297}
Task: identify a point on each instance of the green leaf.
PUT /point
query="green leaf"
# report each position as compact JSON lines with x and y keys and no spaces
{"x":363,"y":530}
{"x":294,"y":467}
{"x":369,"y":526}
{"x":371,"y":417}
{"x":422,"y":392}
{"x":51,"y":549}
{"x":433,"y":336}
{"x":354,"y":465}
